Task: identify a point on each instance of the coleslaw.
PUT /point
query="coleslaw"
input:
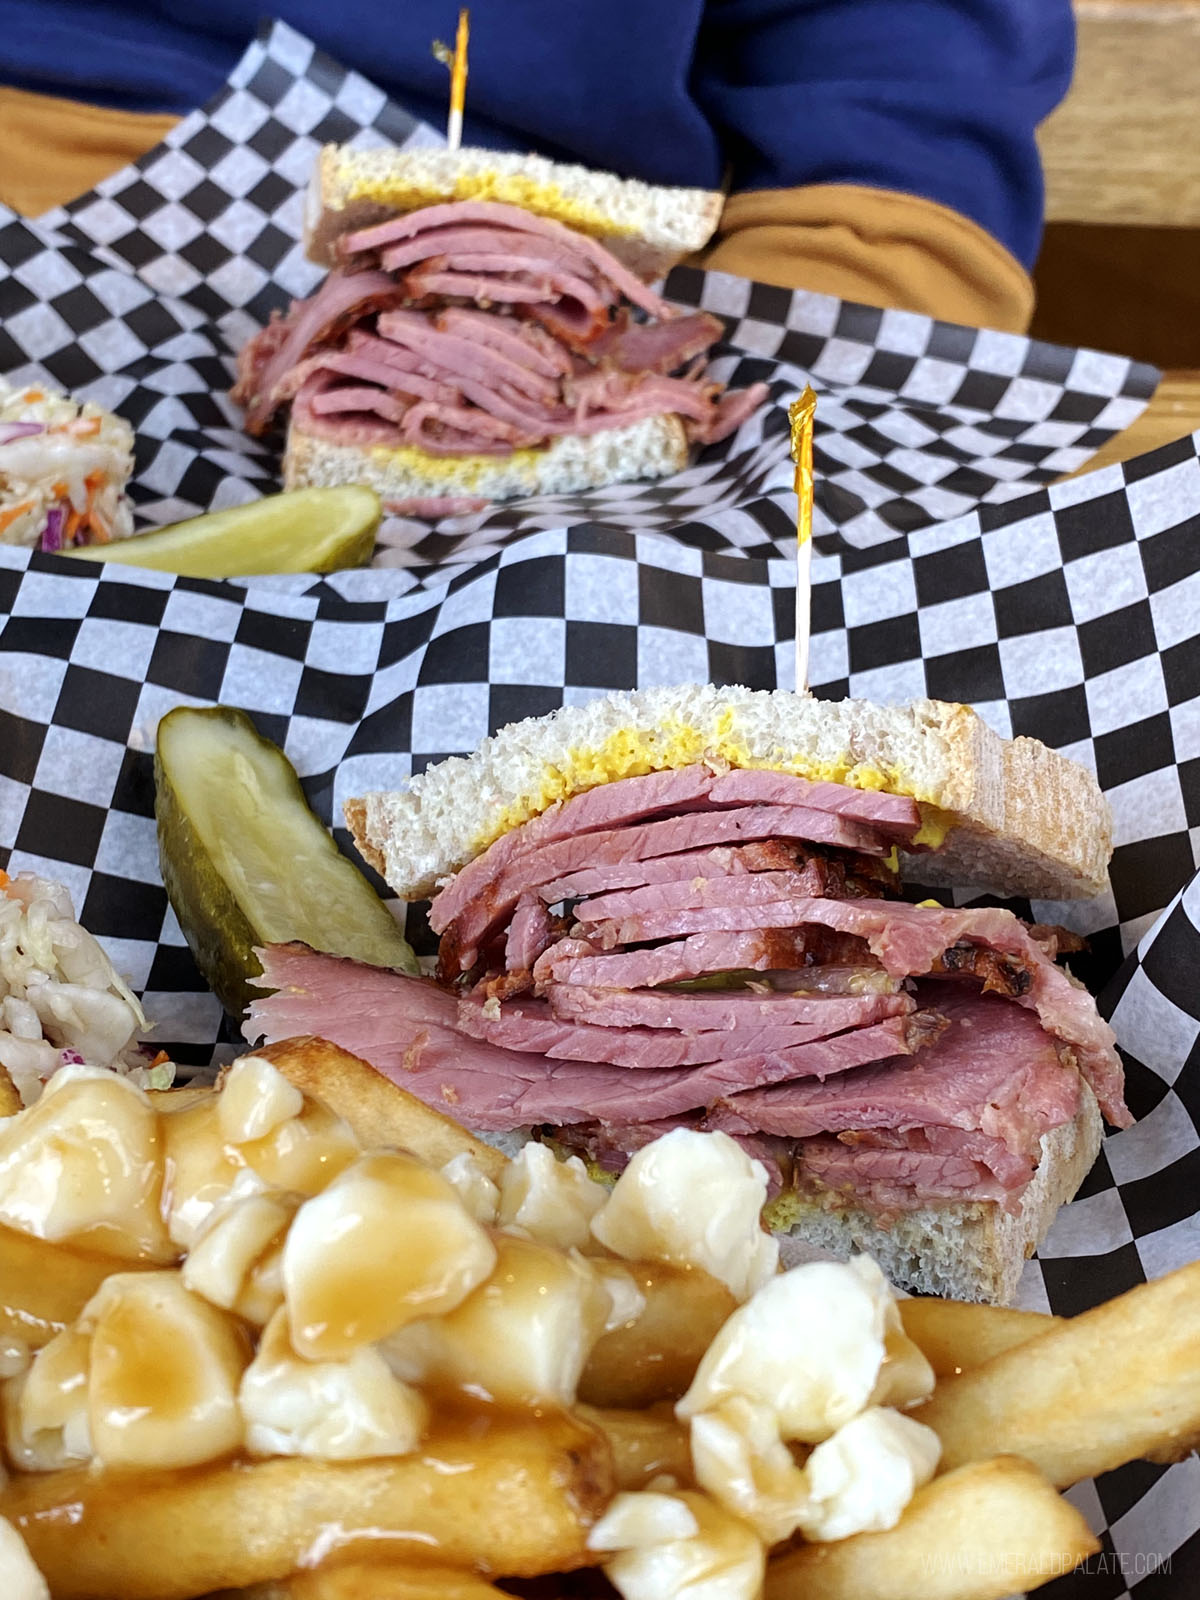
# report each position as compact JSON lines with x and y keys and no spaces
{"x":63,"y":470}
{"x":62,"y":1002}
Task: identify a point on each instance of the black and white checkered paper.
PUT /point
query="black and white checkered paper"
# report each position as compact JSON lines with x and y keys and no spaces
{"x":943,"y":566}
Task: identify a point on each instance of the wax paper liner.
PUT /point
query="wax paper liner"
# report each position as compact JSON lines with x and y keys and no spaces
{"x":1070,"y":613}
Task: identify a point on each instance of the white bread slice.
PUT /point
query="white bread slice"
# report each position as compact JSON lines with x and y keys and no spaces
{"x":1008,"y":815}
{"x":647,"y":226}
{"x":655,"y":447}
{"x":961,"y":1252}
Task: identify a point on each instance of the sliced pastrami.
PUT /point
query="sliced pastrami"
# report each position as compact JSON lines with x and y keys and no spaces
{"x":529,"y":869}
{"x":455,"y":212}
{"x":886,"y":1182}
{"x":720,"y":1010}
{"x":994,"y":1070}
{"x":532,"y":1025}
{"x":764,"y":950}
{"x":268,"y":358}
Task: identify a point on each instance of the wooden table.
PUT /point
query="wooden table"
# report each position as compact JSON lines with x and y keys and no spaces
{"x":1173,"y":411}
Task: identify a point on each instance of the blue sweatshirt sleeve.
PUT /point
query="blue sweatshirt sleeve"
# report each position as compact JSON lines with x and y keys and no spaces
{"x":937,"y":98}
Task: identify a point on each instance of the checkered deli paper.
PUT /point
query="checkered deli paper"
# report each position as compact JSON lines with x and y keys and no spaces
{"x":943,"y":566}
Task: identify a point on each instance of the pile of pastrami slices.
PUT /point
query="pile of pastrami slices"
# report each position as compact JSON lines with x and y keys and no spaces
{"x":476,"y":328}
{"x":727,"y":950}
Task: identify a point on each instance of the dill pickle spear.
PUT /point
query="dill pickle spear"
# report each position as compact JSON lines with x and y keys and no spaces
{"x":303,"y":530}
{"x":245,"y":861}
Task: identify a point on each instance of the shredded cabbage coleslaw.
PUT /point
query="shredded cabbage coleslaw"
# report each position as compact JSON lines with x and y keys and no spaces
{"x":62,"y":1002}
{"x":63,"y":470}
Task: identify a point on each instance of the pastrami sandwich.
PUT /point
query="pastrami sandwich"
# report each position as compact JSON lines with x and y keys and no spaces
{"x":488,"y":330}
{"x":682,"y":907}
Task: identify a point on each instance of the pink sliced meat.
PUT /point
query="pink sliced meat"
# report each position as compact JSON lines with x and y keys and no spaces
{"x":892,"y":814}
{"x":1010,"y":1167}
{"x":462,"y":938}
{"x":746,"y":1052}
{"x":766,"y":855}
{"x":530,"y":933}
{"x":432,"y":507}
{"x":305,"y":981}
{"x":359,"y":360}
{"x":340,"y":301}
{"x":608,"y":805}
{"x":909,"y":940}
{"x":731,"y":409}
{"x":721,"y":1010}
{"x":351,"y":397}
{"x":520,"y":244}
{"x":552,"y":283}
{"x":994,"y":1071}
{"x":484,"y":289}
{"x":398,"y":1024}
{"x":747,"y":892}
{"x":384,"y":234}
{"x":886,"y":1182}
{"x":575,"y":961}
{"x":457,"y":358}
{"x":650,"y":795}
{"x":661,"y":347}
{"x":468,"y":423}
{"x":520,"y":341}
{"x":351,"y":428}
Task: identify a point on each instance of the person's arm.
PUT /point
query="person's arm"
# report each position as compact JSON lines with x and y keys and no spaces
{"x":884,"y":150}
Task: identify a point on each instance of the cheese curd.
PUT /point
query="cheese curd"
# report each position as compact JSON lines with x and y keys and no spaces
{"x":805,"y":1361}
{"x":521,"y":1338}
{"x":552,"y":1201}
{"x":255,"y":1098}
{"x":693,"y":1199}
{"x":861,"y":1479}
{"x":221,"y":1264}
{"x":84,"y":1166}
{"x":661,"y":1554}
{"x":387,"y":1242}
{"x":19,"y":1578}
{"x":739,"y":1458}
{"x":163,"y":1373}
{"x":810,"y":1344}
{"x":472,"y":1186}
{"x":334,"y":1410}
{"x":46,"y":1409}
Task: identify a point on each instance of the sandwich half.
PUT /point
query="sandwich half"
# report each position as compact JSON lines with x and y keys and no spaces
{"x":682,"y":907}
{"x":487,"y":329}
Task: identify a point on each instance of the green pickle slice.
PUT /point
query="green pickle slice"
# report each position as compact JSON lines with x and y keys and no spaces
{"x":245,"y":861}
{"x":305,"y":530}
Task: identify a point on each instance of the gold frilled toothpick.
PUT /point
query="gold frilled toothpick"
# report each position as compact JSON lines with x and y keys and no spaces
{"x":457,"y":62}
{"x":800,"y":415}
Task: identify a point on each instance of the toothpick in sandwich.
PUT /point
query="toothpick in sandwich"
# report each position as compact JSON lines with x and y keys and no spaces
{"x":800,"y":415}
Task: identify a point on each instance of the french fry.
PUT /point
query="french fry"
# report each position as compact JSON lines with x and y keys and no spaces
{"x":371,"y":1582}
{"x":655,"y":1356}
{"x":491,"y":1494}
{"x":179,"y":1099}
{"x":985,"y":1531}
{"x":644,"y":1443}
{"x":955,"y":1336}
{"x":44,"y":1286}
{"x":1109,"y":1386}
{"x":378,"y":1111}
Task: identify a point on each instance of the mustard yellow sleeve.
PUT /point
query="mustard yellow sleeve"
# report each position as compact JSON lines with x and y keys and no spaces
{"x":55,"y":150}
{"x":877,"y":246}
